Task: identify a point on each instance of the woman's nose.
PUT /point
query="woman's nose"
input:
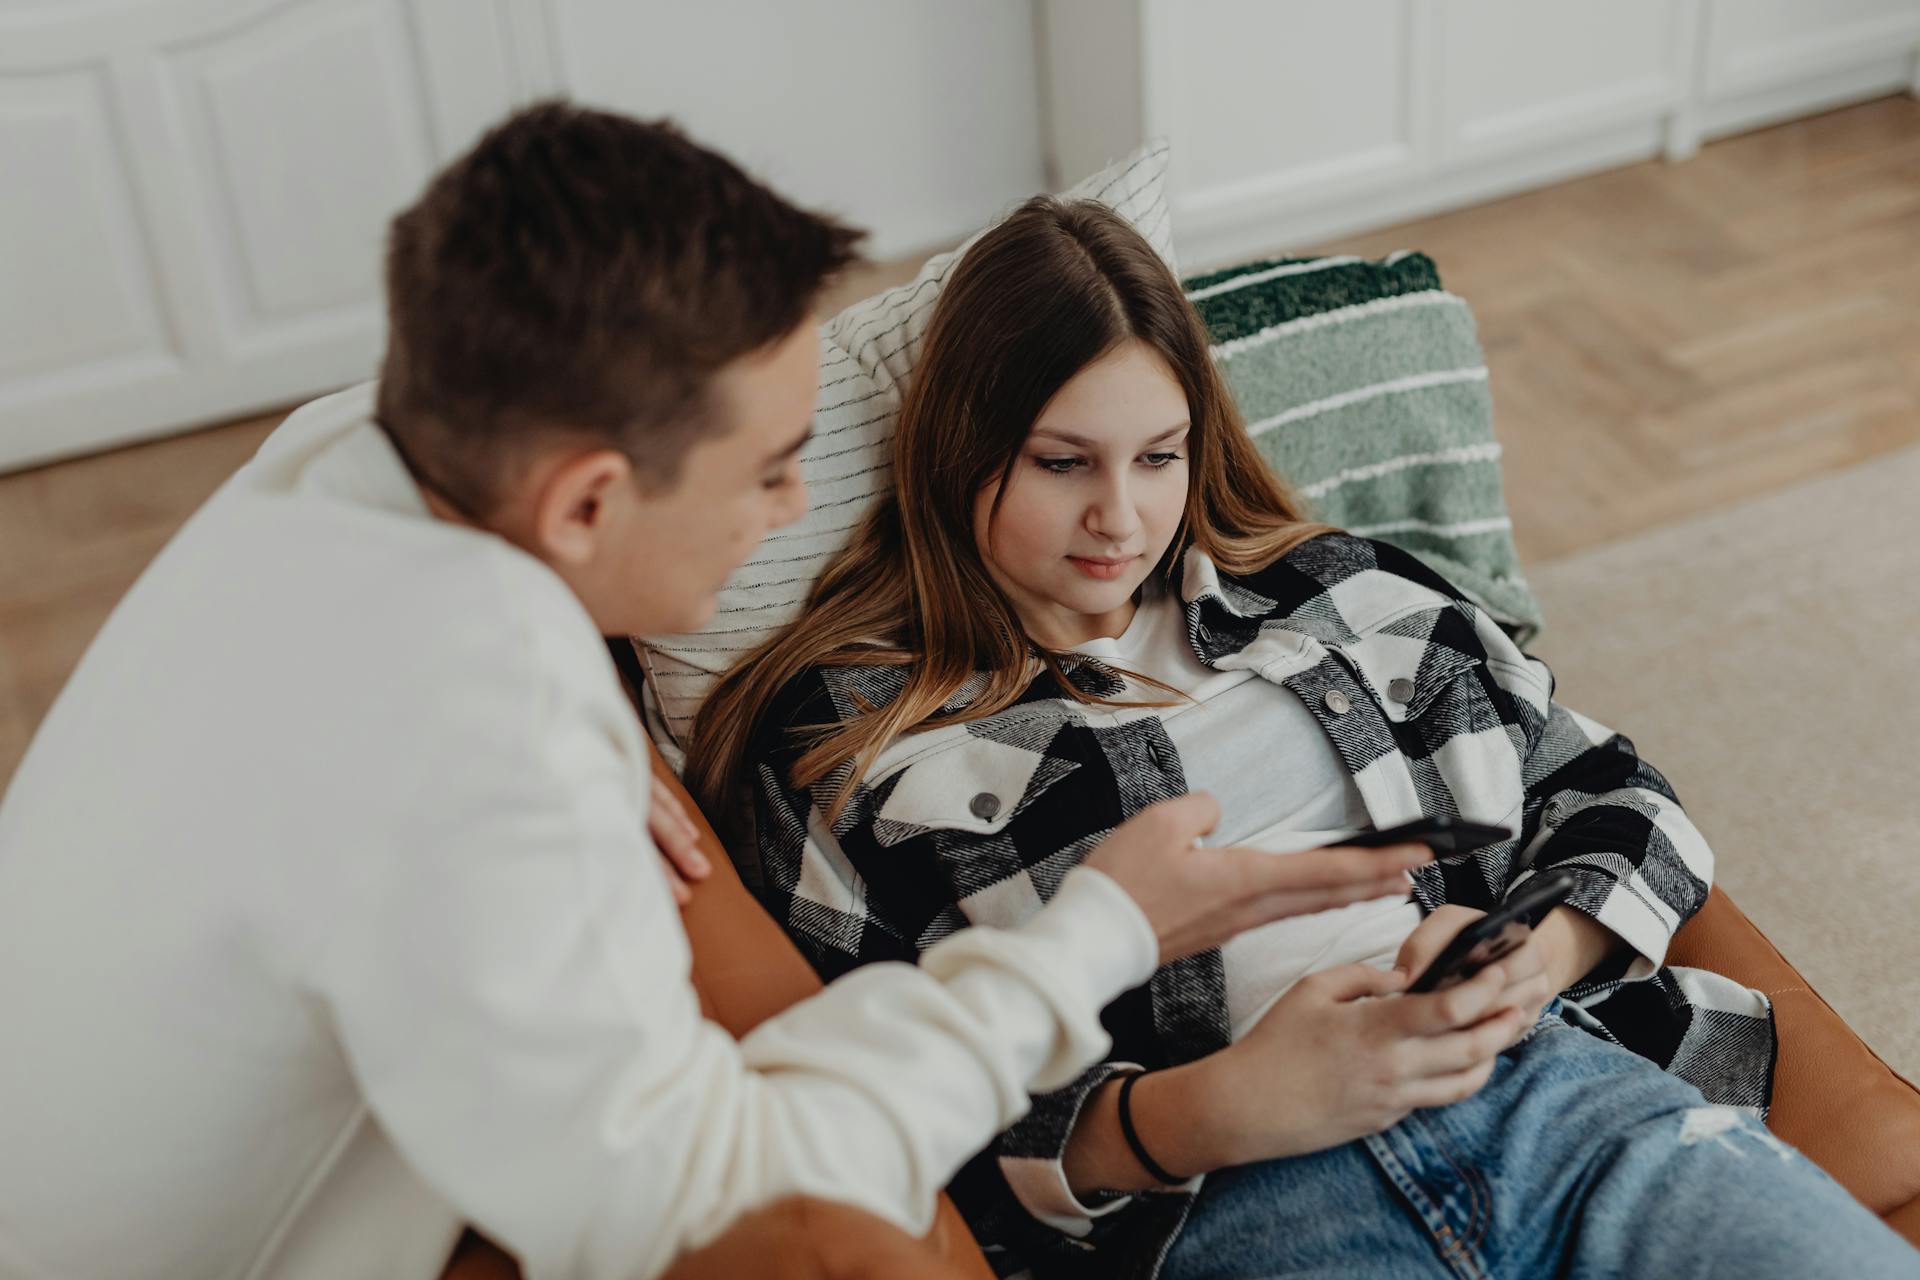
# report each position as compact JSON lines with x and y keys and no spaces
{"x":1112,"y":517}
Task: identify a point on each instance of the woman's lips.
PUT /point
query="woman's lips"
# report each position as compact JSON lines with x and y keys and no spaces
{"x":1103,"y":569}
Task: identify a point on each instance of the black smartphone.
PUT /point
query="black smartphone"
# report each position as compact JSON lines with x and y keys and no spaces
{"x":1442,"y":834}
{"x":1496,"y":933}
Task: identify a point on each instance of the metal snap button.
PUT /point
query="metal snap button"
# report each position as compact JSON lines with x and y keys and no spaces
{"x":1338,"y":702}
{"x":984,"y":806}
{"x":1401,"y":690}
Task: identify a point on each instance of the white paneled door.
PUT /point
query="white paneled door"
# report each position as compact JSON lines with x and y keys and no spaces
{"x":1517,"y":74}
{"x":193,"y":196}
{"x":1264,"y":107}
{"x":1759,"y":43}
{"x":1295,"y":122}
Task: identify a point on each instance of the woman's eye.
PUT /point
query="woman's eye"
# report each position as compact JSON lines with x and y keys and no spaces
{"x":1059,"y":466}
{"x":1158,"y":460}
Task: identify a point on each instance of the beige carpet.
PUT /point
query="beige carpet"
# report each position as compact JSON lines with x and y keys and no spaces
{"x":1767,"y":659}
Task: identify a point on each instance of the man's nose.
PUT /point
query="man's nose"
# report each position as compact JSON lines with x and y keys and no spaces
{"x":795,"y":506}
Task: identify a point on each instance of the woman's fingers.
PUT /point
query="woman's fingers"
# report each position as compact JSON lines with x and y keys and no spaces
{"x":1431,"y":937}
{"x":1440,"y":1091}
{"x":1531,"y":992}
{"x":1347,"y":982}
{"x":1431,"y":1013}
{"x":1529,"y":998}
{"x":1455,"y":1051}
{"x":1525,"y":961}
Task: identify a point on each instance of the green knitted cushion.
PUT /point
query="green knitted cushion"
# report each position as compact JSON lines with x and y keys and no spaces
{"x":1363,"y":383}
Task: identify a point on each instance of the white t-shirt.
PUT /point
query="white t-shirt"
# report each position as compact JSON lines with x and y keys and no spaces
{"x":329,"y":920}
{"x":1281,"y":786}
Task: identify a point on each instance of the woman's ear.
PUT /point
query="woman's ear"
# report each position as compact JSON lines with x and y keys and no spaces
{"x":579,"y":502}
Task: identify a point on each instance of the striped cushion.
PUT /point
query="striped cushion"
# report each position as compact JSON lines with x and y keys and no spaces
{"x":866,"y":354}
{"x":1364,"y":384}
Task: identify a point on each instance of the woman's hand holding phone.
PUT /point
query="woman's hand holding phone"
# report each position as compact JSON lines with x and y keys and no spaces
{"x":1331,"y":1061}
{"x":1530,"y":982}
{"x":1355,"y":1062}
{"x":1564,"y":945}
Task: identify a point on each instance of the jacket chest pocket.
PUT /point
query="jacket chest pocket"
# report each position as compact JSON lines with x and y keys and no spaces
{"x":1407,"y":673}
{"x":975,"y":786}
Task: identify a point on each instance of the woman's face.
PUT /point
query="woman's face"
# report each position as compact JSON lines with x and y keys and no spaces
{"x":1093,"y":499}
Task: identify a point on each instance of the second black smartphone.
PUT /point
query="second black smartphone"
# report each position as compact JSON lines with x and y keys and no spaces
{"x":1442,"y":834}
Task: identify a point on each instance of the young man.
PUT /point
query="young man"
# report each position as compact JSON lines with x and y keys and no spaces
{"x":328,"y":915}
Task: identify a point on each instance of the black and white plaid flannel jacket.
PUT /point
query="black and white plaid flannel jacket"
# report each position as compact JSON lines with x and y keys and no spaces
{"x":1429,"y":703}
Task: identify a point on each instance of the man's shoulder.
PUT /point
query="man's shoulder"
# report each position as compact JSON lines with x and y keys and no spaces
{"x":408,"y":579}
{"x":317,"y":617}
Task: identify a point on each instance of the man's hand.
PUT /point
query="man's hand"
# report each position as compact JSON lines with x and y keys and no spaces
{"x":1198,"y":897}
{"x":679,"y":842}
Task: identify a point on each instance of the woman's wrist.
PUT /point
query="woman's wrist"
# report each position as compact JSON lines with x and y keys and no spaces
{"x":1142,"y":1156}
{"x":1576,"y":944}
{"x":1174,"y":1119}
{"x":1191,"y":1117}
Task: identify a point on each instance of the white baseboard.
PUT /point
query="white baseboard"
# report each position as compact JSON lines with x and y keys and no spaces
{"x":1228,"y":232}
{"x":1762,"y":107}
{"x":1263,"y":233}
{"x":167,"y":404}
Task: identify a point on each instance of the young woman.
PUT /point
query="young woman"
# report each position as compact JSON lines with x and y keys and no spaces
{"x":1087,"y":592}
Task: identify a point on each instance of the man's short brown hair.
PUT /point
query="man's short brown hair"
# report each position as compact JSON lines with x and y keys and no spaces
{"x":582,"y":273}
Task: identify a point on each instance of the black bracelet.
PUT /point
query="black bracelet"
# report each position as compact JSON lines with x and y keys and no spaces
{"x":1147,"y":1162}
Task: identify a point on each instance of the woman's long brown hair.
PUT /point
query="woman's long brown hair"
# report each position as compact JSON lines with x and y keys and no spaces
{"x":1053,"y":288}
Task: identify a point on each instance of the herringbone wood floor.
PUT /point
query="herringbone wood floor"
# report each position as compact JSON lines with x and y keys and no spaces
{"x":1664,"y":340}
{"x":1669,"y":339}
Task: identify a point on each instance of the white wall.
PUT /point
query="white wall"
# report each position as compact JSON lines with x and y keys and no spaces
{"x":197,"y":191}
{"x":1299,"y":121}
{"x":916,"y":119}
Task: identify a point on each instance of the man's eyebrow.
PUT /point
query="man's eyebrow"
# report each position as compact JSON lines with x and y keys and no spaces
{"x":1067,"y":437}
{"x":793,"y":448}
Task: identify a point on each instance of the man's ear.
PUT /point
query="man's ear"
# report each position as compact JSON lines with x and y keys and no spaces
{"x":572,"y":512}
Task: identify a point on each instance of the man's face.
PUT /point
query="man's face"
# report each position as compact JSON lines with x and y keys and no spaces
{"x":661,"y":557}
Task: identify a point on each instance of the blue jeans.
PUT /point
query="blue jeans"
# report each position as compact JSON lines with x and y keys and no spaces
{"x":1576,"y":1159}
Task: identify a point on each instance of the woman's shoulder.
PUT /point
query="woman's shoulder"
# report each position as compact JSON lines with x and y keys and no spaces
{"x":1321,"y":564}
{"x":822,"y":695}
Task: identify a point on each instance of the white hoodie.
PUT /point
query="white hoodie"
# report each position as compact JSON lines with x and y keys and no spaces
{"x":329,"y":921}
